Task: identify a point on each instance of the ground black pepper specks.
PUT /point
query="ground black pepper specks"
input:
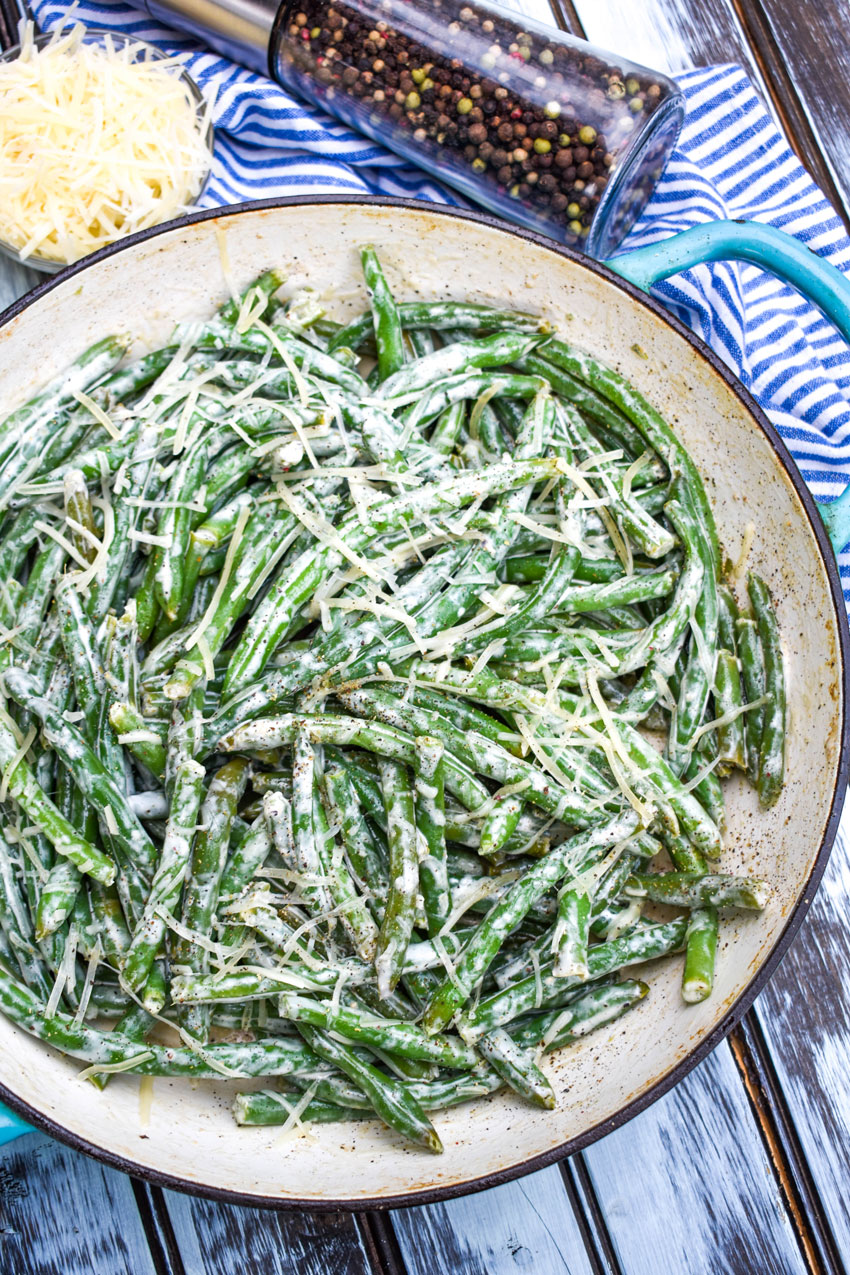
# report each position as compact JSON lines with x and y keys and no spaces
{"x":527,"y":116}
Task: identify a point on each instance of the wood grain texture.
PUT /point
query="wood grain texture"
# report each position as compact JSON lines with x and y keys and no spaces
{"x":217,"y":1239}
{"x":669,"y":35}
{"x":62,"y":1213}
{"x":525,"y":1226}
{"x":804,"y":1014}
{"x":687,"y":1186}
{"x":805,"y":53}
{"x":15,"y":280}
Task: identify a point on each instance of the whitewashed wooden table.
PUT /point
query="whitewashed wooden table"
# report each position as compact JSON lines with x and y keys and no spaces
{"x":745,"y":1167}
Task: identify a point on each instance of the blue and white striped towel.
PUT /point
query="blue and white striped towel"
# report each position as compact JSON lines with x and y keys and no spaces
{"x":731,"y":162}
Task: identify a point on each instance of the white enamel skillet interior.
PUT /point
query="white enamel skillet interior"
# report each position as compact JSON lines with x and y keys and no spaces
{"x":188,"y":1139}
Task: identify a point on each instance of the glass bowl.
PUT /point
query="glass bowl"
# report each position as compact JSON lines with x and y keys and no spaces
{"x":141,"y":51}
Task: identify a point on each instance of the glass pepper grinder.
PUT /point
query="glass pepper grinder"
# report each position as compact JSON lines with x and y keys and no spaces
{"x":538,"y":126}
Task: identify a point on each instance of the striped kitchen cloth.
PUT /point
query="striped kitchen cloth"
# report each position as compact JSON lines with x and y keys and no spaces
{"x":731,"y":161}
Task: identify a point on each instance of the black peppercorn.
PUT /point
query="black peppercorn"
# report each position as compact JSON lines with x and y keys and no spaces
{"x":468,"y":104}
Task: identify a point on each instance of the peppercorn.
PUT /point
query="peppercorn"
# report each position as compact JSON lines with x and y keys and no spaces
{"x":538,"y":134}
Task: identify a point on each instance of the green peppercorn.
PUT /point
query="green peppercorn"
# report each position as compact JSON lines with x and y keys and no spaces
{"x":587,"y":135}
{"x":552,"y":109}
{"x":576,"y":227}
{"x":417,"y":75}
{"x":478,"y":165}
{"x":573,"y":211}
{"x":632,"y":86}
{"x":412,"y":102}
{"x":464,"y":106}
{"x":542,"y":146}
{"x":636,"y":105}
{"x":427,"y":84}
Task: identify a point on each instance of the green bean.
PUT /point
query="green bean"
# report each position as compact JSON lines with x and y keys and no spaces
{"x":546,"y":989}
{"x":246,"y":859}
{"x":700,"y":955}
{"x":57,"y":897}
{"x":175,"y":528}
{"x":267,"y":1107}
{"x":440,"y":315}
{"x":168,"y":879}
{"x":140,"y":737}
{"x":355,"y":918}
{"x":206,"y":866}
{"x":79,"y":515}
{"x":430,"y":819}
{"x":689,"y":890}
{"x":573,"y":932}
{"x":402,"y":837}
{"x":500,"y":824}
{"x":517,"y":1068}
{"x":461,"y":357}
{"x":771,"y":772}
{"x":449,"y":427}
{"x":385,"y":316}
{"x":271,"y":619}
{"x":402,"y":1038}
{"x":391,"y":1100}
{"x":729,"y":699}
{"x":753,"y":683}
{"x":595,"y":1009}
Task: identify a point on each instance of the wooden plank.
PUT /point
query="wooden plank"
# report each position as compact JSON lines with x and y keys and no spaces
{"x":62,"y":1213}
{"x":804,"y":1015}
{"x":804,"y":54}
{"x":214,"y":1238}
{"x":15,"y":280}
{"x":527,"y":1225}
{"x":667,"y":35}
{"x":688,"y":1185}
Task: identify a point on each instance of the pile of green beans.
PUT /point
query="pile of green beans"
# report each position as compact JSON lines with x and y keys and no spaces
{"x":335,"y":661}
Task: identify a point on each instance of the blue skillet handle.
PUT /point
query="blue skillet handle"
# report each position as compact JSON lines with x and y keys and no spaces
{"x":11,"y":1126}
{"x":774,"y":251}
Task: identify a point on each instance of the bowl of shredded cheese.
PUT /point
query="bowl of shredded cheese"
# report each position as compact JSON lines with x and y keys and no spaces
{"x":101,"y":135}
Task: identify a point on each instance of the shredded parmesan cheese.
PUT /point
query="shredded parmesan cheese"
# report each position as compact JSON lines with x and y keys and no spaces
{"x":97,"y":140}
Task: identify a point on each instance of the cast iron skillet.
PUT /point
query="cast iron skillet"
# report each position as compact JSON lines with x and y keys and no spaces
{"x":175,"y":271}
